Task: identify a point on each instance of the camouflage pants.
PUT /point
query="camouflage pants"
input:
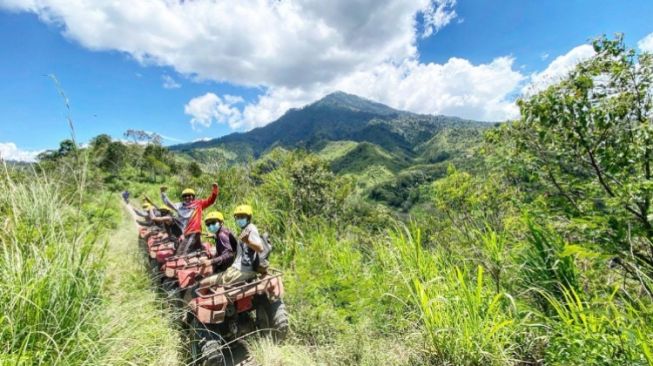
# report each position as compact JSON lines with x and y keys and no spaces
{"x":230,"y":276}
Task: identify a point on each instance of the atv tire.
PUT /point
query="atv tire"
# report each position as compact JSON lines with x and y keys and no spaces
{"x":272,"y":318}
{"x":205,"y":348}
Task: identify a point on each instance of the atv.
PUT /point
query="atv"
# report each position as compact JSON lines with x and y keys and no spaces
{"x":221,"y":315}
{"x":181,"y":270}
{"x":145,"y":232}
{"x":160,"y":248}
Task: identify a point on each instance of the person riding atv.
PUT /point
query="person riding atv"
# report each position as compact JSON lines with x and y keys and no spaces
{"x":217,"y":259}
{"x":144,"y":213}
{"x":167,"y":221}
{"x":189,"y":213}
{"x":225,"y":242}
{"x":247,"y":257}
{"x":238,"y":302}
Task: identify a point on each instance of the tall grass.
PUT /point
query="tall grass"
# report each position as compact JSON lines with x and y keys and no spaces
{"x":364,"y":290}
{"x":51,"y":276}
{"x":600,"y":331}
{"x":70,"y":294}
{"x":464,"y":322}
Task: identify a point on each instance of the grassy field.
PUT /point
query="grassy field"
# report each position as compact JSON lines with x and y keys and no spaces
{"x":140,"y":325}
{"x":75,"y":290}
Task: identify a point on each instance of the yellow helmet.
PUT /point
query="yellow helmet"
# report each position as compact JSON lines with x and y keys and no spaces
{"x":188,"y":191}
{"x":214,"y":215}
{"x":243,"y":210}
{"x":165,"y":208}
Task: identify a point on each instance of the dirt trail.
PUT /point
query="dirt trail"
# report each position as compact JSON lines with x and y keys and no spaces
{"x":141,"y":326}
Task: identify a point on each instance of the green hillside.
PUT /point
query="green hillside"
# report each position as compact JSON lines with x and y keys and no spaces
{"x":333,"y":150}
{"x":365,"y":155}
{"x":355,"y":134}
{"x":337,"y":117}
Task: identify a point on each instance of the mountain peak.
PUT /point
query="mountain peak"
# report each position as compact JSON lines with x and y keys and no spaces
{"x":342,"y":100}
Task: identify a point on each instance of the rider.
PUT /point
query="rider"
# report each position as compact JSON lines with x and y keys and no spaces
{"x":144,"y":213}
{"x":250,"y":244}
{"x":225,"y":242}
{"x":167,"y":221}
{"x":189,"y":213}
{"x":146,"y":207}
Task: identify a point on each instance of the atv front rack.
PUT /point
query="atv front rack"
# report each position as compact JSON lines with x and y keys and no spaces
{"x":212,"y":302}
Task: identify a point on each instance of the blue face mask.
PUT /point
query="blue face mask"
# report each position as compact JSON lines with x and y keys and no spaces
{"x":213,"y":228}
{"x":241,"y":222}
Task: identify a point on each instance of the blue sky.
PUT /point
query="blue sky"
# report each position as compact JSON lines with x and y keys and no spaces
{"x":202,"y":69}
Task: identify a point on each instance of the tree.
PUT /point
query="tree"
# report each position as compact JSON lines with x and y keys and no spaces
{"x":316,"y":190}
{"x":114,"y":158}
{"x":66,"y":147}
{"x":194,"y":169}
{"x":139,"y":136}
{"x":99,"y":142}
{"x":590,"y":138}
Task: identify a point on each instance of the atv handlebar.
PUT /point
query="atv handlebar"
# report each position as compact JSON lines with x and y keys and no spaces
{"x":187,"y":255}
{"x":193,"y":265}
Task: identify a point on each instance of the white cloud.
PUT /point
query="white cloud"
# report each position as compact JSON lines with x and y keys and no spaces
{"x":458,"y":88}
{"x":558,"y":69}
{"x":438,"y":14}
{"x":210,"y":108}
{"x":646,"y":44}
{"x":295,"y":51}
{"x":170,"y":83}
{"x":10,"y":152}
{"x":255,"y":43}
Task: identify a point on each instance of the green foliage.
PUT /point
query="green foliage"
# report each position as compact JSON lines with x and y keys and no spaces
{"x":475,"y":212}
{"x":597,"y":331}
{"x":365,"y":155}
{"x":51,"y":264}
{"x":546,"y":267}
{"x":114,"y":157}
{"x":464,"y":323}
{"x":316,"y":189}
{"x":333,"y":150}
{"x":194,"y":169}
{"x":588,"y":139}
{"x":404,"y":191}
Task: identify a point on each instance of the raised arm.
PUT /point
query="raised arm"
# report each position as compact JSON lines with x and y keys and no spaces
{"x":162,"y":220}
{"x":209,"y":201}
{"x":252,"y":239}
{"x":148,"y":200}
{"x":141,"y":213}
{"x":165,"y":199}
